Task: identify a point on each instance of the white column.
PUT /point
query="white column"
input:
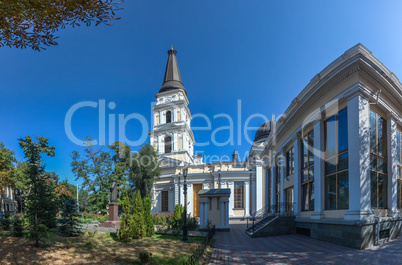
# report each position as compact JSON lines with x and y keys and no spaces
{"x":206,"y":213}
{"x":230,"y":204}
{"x":160,"y":145}
{"x":247,"y":197}
{"x":282,"y":176}
{"x":176,"y":191}
{"x":174,"y":116}
{"x":259,"y":186}
{"x":359,"y":159}
{"x":175,"y":141}
{"x":318,"y":170}
{"x":223,"y":214}
{"x":185,"y":141}
{"x":273,"y":182}
{"x":171,"y":200}
{"x":201,"y":214}
{"x":189,"y":199}
{"x":158,"y":202}
{"x":205,"y":185}
{"x":392,"y":166}
{"x":297,"y":186}
{"x":181,"y":194}
{"x":253,"y":196}
{"x":227,"y":214}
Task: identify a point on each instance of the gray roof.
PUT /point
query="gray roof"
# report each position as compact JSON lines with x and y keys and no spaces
{"x":264,"y":130}
{"x":214,"y":192}
{"x":172,"y":78}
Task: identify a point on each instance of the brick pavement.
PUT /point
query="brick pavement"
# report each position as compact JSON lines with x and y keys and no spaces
{"x":235,"y":247}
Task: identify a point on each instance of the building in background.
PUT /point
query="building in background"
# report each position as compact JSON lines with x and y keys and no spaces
{"x":333,"y":159}
{"x":8,"y":202}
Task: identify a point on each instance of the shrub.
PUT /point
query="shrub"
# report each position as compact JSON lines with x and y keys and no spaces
{"x":149,"y":223}
{"x":126,"y":222}
{"x":5,"y":222}
{"x":17,"y":226}
{"x":192,"y":223}
{"x":178,"y":217}
{"x":69,"y":223}
{"x":144,"y":256}
{"x":138,"y":219}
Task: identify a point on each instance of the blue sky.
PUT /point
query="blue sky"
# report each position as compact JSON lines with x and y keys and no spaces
{"x":261,"y":52}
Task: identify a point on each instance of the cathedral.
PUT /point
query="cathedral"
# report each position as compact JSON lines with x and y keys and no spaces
{"x":331,"y":163}
{"x":174,"y":140}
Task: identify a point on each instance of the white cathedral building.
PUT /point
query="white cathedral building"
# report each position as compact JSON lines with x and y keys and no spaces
{"x":334,"y":158}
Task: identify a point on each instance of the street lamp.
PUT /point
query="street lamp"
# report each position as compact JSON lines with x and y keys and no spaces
{"x":185,"y":205}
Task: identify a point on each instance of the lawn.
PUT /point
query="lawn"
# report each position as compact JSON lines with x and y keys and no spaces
{"x":95,"y":248}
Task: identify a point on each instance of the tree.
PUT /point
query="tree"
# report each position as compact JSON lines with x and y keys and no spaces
{"x":121,"y":163}
{"x":126,"y":222}
{"x":144,"y":170}
{"x":41,"y":203}
{"x":27,"y":23}
{"x":96,"y":171}
{"x":69,"y":223}
{"x":7,"y":161}
{"x":63,"y":194}
{"x":138,"y":218}
{"x":149,"y":223}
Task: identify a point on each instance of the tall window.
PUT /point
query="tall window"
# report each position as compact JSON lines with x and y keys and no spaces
{"x":307,"y":172}
{"x":165,"y":201}
{"x":239,"y":194}
{"x":168,"y":144}
{"x":168,"y":116}
{"x":399,"y":167}
{"x":336,"y":162}
{"x":278,"y":181}
{"x":290,"y":162}
{"x":378,"y":160}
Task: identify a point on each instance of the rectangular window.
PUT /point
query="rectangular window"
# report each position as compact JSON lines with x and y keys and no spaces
{"x":239,"y":195}
{"x":307,"y":172}
{"x":165,"y":201}
{"x":336,"y":161}
{"x":290,"y":162}
{"x":399,"y":167}
{"x":378,"y":160}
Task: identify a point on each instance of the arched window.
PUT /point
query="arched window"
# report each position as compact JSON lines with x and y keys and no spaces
{"x":168,"y":116}
{"x":168,"y":144}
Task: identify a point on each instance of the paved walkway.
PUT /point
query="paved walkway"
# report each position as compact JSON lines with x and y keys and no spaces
{"x":235,"y":247}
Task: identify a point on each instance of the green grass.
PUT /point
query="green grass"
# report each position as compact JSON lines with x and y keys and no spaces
{"x":191,"y":239}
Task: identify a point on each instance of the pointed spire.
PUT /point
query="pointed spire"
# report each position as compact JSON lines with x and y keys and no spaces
{"x":172,"y":79}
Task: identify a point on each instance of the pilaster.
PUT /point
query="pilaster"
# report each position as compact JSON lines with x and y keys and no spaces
{"x":392,"y":166}
{"x":318,"y":170}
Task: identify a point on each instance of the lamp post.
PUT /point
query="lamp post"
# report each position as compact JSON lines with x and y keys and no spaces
{"x":185,"y":205}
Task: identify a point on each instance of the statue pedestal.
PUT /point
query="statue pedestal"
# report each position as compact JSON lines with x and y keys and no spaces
{"x":113,"y":221}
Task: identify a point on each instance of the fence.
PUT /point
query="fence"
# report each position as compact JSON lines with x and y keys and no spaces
{"x":279,"y":209}
{"x":197,"y":254}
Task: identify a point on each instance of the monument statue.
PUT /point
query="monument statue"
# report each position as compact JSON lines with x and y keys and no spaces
{"x":113,"y":192}
{"x":113,"y":221}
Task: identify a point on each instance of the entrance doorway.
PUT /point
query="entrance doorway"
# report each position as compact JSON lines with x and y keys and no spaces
{"x":196,"y":200}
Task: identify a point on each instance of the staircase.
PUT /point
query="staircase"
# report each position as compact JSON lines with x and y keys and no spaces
{"x":275,"y":219}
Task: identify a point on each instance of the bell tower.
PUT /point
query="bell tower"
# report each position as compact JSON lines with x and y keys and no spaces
{"x":172,"y":136}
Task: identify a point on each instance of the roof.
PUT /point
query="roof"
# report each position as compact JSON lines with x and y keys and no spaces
{"x":264,"y":130}
{"x":214,"y":192}
{"x":172,"y":79}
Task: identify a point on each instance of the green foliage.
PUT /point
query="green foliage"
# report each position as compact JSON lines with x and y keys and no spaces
{"x":149,"y":223}
{"x":95,"y":168}
{"x":126,"y":222}
{"x":144,"y":170}
{"x":144,"y":256}
{"x":178,"y":220}
{"x":7,"y":161}
{"x":17,"y":225}
{"x":162,"y":219}
{"x":27,"y":23}
{"x":121,"y":163}
{"x":69,"y":223}
{"x":41,"y":201}
{"x":138,"y":219}
{"x":5,"y":222}
{"x":93,"y":217}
